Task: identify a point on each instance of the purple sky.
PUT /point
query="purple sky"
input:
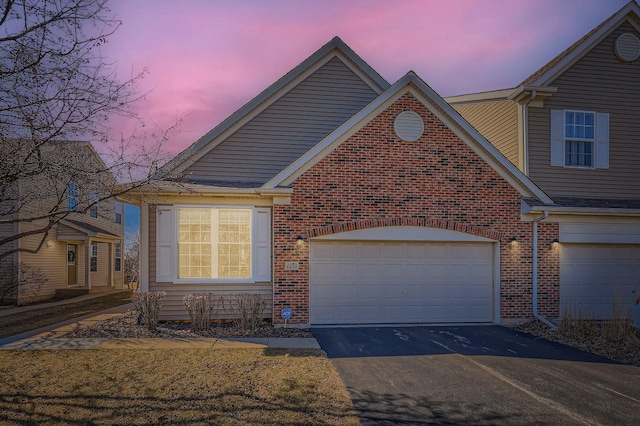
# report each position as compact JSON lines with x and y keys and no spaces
{"x":208,"y":58}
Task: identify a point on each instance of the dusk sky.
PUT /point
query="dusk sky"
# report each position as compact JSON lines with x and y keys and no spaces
{"x":205,"y":59}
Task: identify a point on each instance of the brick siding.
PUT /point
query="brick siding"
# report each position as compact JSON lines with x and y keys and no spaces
{"x":375,"y":179}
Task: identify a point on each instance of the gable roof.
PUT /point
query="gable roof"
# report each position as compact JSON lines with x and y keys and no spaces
{"x":559,"y":64}
{"x":543,"y":77}
{"x":336,"y":48}
{"x":441,"y":109}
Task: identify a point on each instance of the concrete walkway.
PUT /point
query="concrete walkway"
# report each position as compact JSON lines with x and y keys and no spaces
{"x":52,"y":337}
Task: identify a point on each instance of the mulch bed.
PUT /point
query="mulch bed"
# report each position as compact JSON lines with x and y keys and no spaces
{"x":126,"y":325}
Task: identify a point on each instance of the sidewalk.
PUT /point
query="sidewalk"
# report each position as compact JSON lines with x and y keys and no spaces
{"x":16,"y":310}
{"x":52,"y":337}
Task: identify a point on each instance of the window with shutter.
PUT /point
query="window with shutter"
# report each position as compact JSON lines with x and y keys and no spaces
{"x":579,"y":139}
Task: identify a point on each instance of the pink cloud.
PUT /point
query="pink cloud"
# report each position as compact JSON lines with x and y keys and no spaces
{"x":206,"y":59}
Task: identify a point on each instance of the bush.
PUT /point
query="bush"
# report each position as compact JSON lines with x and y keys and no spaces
{"x":245,"y":309}
{"x":200,"y":308}
{"x":147,"y":306}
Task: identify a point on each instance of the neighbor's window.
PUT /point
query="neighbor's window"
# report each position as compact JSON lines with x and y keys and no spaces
{"x":214,"y":243}
{"x":72,"y":197}
{"x":93,"y":199}
{"x":117,"y":257}
{"x":118,"y":209}
{"x":579,"y":139}
{"x":94,"y":257}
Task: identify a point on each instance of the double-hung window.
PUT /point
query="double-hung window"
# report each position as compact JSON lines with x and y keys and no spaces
{"x":93,"y":261}
{"x":72,"y":197}
{"x":117,"y":257}
{"x":93,"y":199}
{"x":579,"y":139}
{"x":214,"y":243}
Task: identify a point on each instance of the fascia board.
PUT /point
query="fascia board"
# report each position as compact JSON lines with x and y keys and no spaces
{"x":565,"y":63}
{"x":335,"y":48}
{"x":582,"y":211}
{"x":493,"y":96}
{"x":439,"y":107}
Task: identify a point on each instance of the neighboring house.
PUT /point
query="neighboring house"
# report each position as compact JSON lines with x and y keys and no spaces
{"x":80,"y":253}
{"x":573,"y":128}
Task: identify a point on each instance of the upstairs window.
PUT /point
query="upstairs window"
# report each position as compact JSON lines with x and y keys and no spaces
{"x":579,"y":139}
{"x":119,"y":209}
{"x":93,"y":199}
{"x":72,"y":197}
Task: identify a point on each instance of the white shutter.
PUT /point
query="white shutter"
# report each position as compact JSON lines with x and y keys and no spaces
{"x":262,"y":244}
{"x":557,"y":137}
{"x":602,"y":140}
{"x":166,"y":256}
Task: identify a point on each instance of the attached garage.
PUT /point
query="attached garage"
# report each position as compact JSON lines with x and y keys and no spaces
{"x":596,"y":277}
{"x":599,"y":266}
{"x":357,"y":281}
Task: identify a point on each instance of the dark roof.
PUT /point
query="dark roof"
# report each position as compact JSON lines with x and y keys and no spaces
{"x":91,"y":228}
{"x":596,"y":203}
{"x":219,"y":183}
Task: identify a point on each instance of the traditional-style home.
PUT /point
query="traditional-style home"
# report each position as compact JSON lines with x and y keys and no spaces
{"x":344,"y":199}
{"x":71,"y":236}
{"x":572,"y":127}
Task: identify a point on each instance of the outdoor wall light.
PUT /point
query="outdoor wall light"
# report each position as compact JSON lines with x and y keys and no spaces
{"x":554,"y":243}
{"x":299,"y":240}
{"x":513,"y":240}
{"x":49,"y":244}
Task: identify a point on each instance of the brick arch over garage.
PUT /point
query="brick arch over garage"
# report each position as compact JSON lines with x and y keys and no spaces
{"x":404,"y":221}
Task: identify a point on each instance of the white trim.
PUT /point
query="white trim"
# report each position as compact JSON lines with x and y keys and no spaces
{"x":608,"y":232}
{"x":443,"y":111}
{"x":404,"y":233}
{"x":143,"y":273}
{"x":576,"y":54}
{"x":493,"y":96}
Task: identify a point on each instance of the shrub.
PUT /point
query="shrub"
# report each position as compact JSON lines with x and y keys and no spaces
{"x":245,"y":309}
{"x":200,"y":308}
{"x":147,"y":306}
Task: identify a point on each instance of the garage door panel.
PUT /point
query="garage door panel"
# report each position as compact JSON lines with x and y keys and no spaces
{"x":389,"y":282}
{"x":595,"y":278}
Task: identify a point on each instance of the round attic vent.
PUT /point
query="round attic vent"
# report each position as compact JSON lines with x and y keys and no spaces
{"x":408,"y":126}
{"x":627,"y":47}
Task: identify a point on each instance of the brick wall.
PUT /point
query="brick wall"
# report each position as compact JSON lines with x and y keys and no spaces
{"x":375,"y":179}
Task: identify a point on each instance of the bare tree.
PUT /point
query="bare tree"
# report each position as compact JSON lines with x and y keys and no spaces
{"x":55,"y":87}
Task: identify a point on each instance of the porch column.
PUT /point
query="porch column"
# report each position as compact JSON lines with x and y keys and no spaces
{"x":87,"y":263}
{"x":143,"y":273}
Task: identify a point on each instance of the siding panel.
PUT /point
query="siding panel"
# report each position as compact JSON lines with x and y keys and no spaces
{"x":597,"y":82}
{"x":288,"y":128}
{"x":497,"y":122}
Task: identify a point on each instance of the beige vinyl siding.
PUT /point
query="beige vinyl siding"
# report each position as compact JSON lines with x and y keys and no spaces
{"x":597,"y":82}
{"x":173,"y":307}
{"x":7,"y":271}
{"x":286,"y":129}
{"x":50,"y":260}
{"x":497,"y":121}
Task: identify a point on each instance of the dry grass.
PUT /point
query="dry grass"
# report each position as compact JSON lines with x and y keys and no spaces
{"x":15,"y":324}
{"x":222,"y":387}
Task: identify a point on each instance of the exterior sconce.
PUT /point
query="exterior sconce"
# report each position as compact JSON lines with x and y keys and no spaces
{"x":513,"y":240}
{"x":49,"y":244}
{"x":554,"y":243}
{"x":300,"y":240}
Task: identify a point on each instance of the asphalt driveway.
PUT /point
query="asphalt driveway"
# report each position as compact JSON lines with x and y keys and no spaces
{"x":477,"y":375}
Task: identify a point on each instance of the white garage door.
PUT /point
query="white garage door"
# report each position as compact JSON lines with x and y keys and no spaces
{"x":354,"y":282}
{"x":595,"y":277}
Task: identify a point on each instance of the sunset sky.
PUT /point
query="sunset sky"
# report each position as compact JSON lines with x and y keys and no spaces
{"x":207,"y":58}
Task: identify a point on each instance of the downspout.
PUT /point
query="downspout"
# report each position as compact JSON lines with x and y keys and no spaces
{"x":525,"y":133}
{"x":536,"y":314}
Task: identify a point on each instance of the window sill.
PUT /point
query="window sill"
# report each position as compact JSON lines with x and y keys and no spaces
{"x":199,"y":281}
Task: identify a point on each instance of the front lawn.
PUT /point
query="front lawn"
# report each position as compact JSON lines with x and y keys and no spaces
{"x":192,"y":386}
